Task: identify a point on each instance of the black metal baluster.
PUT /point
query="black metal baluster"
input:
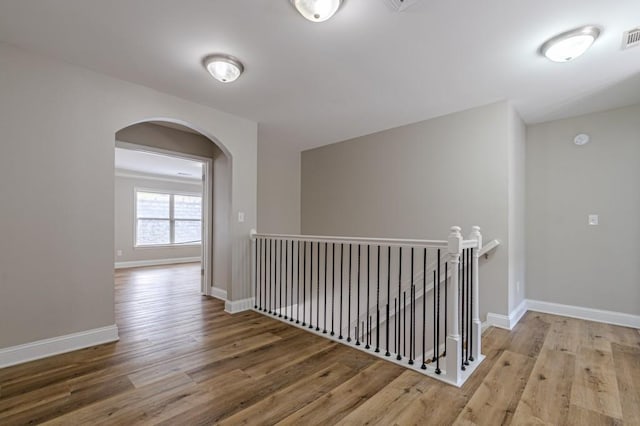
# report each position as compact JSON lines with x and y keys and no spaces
{"x":366,"y":346}
{"x":263,"y":249}
{"x":436,"y":349}
{"x":469,"y":333}
{"x":280,"y":265}
{"x":471,"y":303}
{"x":326,"y":245}
{"x":293,"y":244}
{"x":333,"y":286}
{"x":424,"y":311}
{"x":311,"y":287}
{"x":341,"y":275}
{"x":466,"y":264}
{"x":358,"y":298}
{"x":411,"y":319}
{"x":349,"y":301}
{"x":318,"y":289}
{"x":298,"y":284}
{"x":378,"y":305}
{"x":274,"y":282}
{"x":463,"y":309}
{"x":399,"y":300}
{"x":267,"y":281}
{"x":304,"y":284}
{"x":270,"y":273}
{"x":388,"y":296}
{"x":435,"y":316}
{"x":275,"y":278}
{"x":439,"y":311}
{"x":286,"y":275}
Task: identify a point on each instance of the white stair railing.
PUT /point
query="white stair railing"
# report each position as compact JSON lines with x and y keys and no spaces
{"x":356,"y":291}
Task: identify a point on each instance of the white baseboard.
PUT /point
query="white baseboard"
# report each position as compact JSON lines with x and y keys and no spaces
{"x":57,"y":345}
{"x":506,"y":321}
{"x":219,"y":293}
{"x":590,"y":314}
{"x":235,"y":306}
{"x":155,"y":262}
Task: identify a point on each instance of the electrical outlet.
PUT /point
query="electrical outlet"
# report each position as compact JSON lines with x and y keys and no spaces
{"x":118,"y":253}
{"x":593,"y":219}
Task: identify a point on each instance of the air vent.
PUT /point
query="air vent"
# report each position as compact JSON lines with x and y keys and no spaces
{"x":631,"y":38}
{"x":400,"y":5}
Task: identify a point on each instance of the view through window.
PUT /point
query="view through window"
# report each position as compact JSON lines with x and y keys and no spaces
{"x":164,"y":218}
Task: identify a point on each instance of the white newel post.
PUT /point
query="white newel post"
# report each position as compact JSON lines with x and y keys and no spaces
{"x":476,"y":330}
{"x":253,"y":259}
{"x":454,"y":343}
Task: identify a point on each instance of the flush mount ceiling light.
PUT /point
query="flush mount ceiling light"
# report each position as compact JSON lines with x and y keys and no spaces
{"x":581,"y":139}
{"x":224,"y":68}
{"x":317,"y":10}
{"x":567,"y":46}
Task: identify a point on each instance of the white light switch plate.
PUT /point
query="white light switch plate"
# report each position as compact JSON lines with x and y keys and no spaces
{"x":593,"y":219}
{"x":240,"y":217}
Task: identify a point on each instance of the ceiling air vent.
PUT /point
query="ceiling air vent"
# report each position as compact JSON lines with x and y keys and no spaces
{"x":400,"y":5}
{"x":631,"y":38}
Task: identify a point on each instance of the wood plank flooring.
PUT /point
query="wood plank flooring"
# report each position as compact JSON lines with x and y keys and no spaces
{"x":181,"y":360}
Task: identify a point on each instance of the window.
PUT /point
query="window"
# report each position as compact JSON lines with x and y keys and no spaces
{"x":168,"y":218}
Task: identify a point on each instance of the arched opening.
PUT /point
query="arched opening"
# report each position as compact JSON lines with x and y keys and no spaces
{"x":171,"y":137}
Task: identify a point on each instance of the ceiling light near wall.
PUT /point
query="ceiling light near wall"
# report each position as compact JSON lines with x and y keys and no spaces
{"x":317,"y":10}
{"x":567,"y":46}
{"x":223,"y":68}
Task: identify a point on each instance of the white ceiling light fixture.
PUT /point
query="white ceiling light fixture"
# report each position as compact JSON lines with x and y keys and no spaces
{"x":224,"y":68}
{"x":567,"y":46}
{"x":581,"y":139}
{"x":317,"y":10}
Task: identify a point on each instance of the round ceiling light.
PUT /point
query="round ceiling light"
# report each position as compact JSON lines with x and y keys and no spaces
{"x":223,"y":68}
{"x":567,"y":46}
{"x":581,"y":139}
{"x":317,"y":10}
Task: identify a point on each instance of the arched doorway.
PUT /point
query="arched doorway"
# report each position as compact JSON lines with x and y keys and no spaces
{"x":178,"y":138}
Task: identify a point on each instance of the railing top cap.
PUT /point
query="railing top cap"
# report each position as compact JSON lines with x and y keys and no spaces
{"x":356,"y":240}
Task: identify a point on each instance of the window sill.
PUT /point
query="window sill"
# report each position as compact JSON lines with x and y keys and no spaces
{"x":153,"y":246}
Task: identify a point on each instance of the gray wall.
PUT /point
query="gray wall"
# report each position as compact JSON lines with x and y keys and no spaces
{"x":418,"y":180}
{"x":278,"y":189}
{"x":570,"y":262}
{"x":125,"y":222}
{"x":56,"y":190}
{"x":517,"y":179}
{"x":221,"y":223}
{"x":175,"y":140}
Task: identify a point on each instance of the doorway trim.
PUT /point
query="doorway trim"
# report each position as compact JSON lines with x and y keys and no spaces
{"x":206,"y":259}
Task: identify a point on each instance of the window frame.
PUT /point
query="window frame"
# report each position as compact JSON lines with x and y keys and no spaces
{"x":171,"y":219}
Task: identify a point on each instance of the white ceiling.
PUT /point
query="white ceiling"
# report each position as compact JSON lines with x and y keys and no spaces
{"x":367,"y":69}
{"x":158,"y":164}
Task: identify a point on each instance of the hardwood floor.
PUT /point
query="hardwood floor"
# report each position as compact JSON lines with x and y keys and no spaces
{"x":182,"y":360}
